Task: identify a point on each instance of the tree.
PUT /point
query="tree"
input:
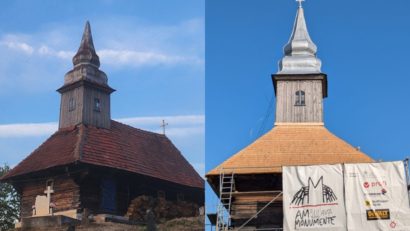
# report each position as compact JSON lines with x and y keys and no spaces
{"x":9,"y":203}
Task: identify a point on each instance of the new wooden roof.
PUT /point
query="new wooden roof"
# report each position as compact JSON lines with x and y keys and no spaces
{"x":121,"y":147}
{"x":290,"y":145}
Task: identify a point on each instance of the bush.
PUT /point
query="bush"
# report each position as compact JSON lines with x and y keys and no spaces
{"x":9,"y":203}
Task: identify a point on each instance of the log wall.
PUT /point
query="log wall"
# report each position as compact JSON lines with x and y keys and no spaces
{"x":66,"y":194}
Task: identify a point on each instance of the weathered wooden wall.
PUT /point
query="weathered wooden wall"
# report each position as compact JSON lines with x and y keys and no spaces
{"x":66,"y":194}
{"x":100,"y":118}
{"x":84,"y":112}
{"x":82,"y":189}
{"x":130,"y":186}
{"x":288,"y":112}
{"x":73,"y":117}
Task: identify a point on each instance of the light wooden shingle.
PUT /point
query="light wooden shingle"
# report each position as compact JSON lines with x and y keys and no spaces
{"x":288,"y":145}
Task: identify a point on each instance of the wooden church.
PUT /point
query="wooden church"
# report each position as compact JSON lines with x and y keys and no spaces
{"x":95,"y":164}
{"x":249,"y":183}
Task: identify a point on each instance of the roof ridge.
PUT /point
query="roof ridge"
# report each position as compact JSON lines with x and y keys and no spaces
{"x":81,"y":136}
{"x":139,"y":129}
{"x":347,"y":143}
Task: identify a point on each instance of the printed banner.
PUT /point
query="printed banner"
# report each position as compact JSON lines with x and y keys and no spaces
{"x":377,"y":197}
{"x":313,"y":198}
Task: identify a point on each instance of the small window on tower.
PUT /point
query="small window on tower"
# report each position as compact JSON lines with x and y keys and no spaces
{"x":97,"y":104}
{"x":300,"y":98}
{"x":71,"y":104}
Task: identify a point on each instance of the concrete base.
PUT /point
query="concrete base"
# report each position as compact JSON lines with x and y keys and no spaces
{"x":102,"y":218}
{"x":47,"y":221}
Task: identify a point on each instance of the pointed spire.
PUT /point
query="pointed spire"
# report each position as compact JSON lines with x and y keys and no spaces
{"x":300,"y":51}
{"x":86,"y":53}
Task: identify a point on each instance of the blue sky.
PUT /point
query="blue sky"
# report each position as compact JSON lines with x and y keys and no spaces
{"x":152,"y":51}
{"x":364,"y":50}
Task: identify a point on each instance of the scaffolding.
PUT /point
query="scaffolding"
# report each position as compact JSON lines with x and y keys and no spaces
{"x":227,"y":191}
{"x":223,"y":220}
{"x":406,"y":165}
{"x":226,"y":187}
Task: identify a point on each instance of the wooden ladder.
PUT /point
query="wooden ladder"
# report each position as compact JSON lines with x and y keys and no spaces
{"x":226,"y":187}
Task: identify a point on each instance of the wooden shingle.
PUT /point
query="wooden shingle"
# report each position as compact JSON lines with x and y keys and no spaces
{"x":289,"y":145}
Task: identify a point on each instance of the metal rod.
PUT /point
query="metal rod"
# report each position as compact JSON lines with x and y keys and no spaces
{"x":406,"y":165}
{"x":264,"y":207}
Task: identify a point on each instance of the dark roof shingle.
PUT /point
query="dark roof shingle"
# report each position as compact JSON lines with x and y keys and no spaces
{"x":121,"y":147}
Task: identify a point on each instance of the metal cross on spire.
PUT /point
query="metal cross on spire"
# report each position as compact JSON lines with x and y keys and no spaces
{"x":163,"y":125}
{"x":300,"y":3}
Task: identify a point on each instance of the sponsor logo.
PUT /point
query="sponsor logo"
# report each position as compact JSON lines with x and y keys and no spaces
{"x":393,"y":224}
{"x":378,"y":214}
{"x":315,"y":194}
{"x":373,"y":184}
{"x":367,"y":203}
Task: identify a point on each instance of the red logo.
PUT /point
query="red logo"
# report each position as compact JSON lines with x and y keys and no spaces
{"x":393,"y":224}
{"x":366,"y":184}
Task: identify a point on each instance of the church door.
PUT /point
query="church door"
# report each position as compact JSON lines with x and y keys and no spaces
{"x":108,"y":195}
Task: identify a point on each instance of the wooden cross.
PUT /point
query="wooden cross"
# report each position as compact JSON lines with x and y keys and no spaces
{"x":48,"y":192}
{"x":163,"y":125}
{"x":300,"y":3}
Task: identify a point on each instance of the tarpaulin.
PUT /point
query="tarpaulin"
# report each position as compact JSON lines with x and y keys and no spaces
{"x":313,"y":198}
{"x":376,"y":196}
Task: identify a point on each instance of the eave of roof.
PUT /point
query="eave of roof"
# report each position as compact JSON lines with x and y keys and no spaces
{"x":287,"y":145}
{"x":121,"y":147}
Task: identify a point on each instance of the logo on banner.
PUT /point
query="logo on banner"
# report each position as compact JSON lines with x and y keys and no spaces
{"x":314,"y":205}
{"x":378,"y":214}
{"x":314,"y":194}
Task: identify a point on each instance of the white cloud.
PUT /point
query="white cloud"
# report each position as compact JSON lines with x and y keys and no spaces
{"x":47,"y":51}
{"x":27,"y":129}
{"x":18,"y":46}
{"x":139,"y":58}
{"x":178,"y":126}
{"x":156,"y":120}
{"x":109,"y":57}
{"x":184,"y":125}
{"x":120,"y":46}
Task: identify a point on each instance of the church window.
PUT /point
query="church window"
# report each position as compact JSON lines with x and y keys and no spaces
{"x":300,"y":98}
{"x":97,"y":104}
{"x":71,"y":104}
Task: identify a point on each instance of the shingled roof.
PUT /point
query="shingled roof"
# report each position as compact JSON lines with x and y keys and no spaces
{"x":290,"y":145}
{"x":121,"y":147}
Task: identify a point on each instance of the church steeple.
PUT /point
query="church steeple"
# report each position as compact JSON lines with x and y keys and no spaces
{"x":299,"y":84}
{"x":85,"y":95}
{"x":86,"y":52}
{"x":300,"y":51}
